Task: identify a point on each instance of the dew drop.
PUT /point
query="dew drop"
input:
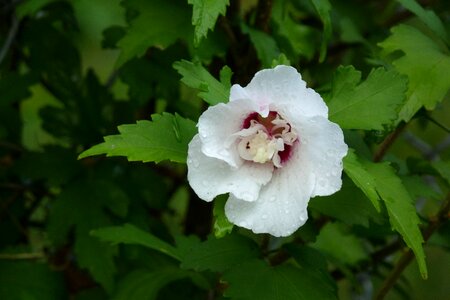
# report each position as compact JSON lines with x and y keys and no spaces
{"x":321,"y":182}
{"x":272,"y":199}
{"x":195,"y":163}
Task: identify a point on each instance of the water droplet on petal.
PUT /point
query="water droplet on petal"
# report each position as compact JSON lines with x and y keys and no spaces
{"x":322,"y":182}
{"x":272,"y":199}
{"x":195,"y":163}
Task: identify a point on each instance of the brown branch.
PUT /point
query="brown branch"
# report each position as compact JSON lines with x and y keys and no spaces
{"x":407,"y":257}
{"x":388,"y":141}
{"x":9,"y":39}
{"x":232,"y":39}
{"x":263,"y":14}
{"x":280,"y":257}
{"x":20,"y":256}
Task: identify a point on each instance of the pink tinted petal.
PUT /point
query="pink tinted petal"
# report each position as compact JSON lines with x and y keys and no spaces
{"x":238,"y":93}
{"x":210,"y":177}
{"x":218,"y":123}
{"x":284,"y":84}
{"x":281,"y":207}
{"x":322,"y":146}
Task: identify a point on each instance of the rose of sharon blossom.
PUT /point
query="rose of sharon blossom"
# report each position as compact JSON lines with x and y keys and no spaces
{"x":271,"y":148}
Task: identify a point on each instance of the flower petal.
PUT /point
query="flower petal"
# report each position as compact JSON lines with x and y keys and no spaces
{"x":218,"y":123}
{"x":284,"y":84}
{"x":210,"y":177}
{"x":281,"y":207}
{"x":323,"y":148}
{"x":237,"y":92}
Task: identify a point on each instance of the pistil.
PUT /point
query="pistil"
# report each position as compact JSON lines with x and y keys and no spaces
{"x":266,"y":139}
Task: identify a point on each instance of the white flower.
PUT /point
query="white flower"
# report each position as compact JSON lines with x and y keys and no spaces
{"x":271,"y":148}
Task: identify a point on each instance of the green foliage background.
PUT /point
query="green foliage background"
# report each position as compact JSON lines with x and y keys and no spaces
{"x":79,"y":79}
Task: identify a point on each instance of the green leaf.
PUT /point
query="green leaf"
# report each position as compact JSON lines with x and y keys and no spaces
{"x":197,"y":77}
{"x":160,"y":23}
{"x":380,"y":179}
{"x":145,"y":284}
{"x":323,"y":8}
{"x":111,"y":36}
{"x":427,"y":16}
{"x":312,"y":260}
{"x":425,"y":64}
{"x":280,"y":60}
{"x":362,"y":179}
{"x":47,"y":165}
{"x":222,"y":226}
{"x":166,"y":137}
{"x":443,"y":168}
{"x":352,"y":106}
{"x":82,"y":205}
{"x":340,"y":245}
{"x":417,"y":187}
{"x":219,"y":254}
{"x":293,"y":38}
{"x":30,"y":7}
{"x":266,"y":47}
{"x":15,"y":87}
{"x":348,"y":205}
{"x":22,"y":280}
{"x":307,"y":257}
{"x":130,"y":234}
{"x":257,"y":280}
{"x":400,"y":207}
{"x":204,"y":16}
